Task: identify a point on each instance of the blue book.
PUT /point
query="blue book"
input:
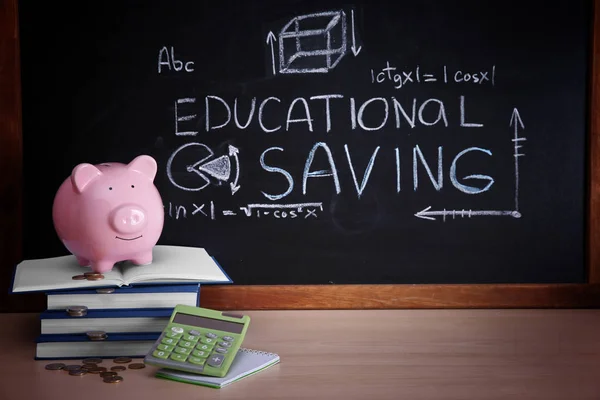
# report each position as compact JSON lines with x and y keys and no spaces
{"x":64,"y":347}
{"x":109,"y":321}
{"x":126,"y":297}
{"x":170,"y":265}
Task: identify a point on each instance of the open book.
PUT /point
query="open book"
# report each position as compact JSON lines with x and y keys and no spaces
{"x":170,"y":265}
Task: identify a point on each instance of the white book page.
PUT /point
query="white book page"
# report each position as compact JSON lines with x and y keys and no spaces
{"x":57,"y":273}
{"x":175,"y":263}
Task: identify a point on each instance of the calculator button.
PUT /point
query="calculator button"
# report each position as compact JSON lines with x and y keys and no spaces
{"x":228,"y":338}
{"x":160,"y":354}
{"x":195,"y":332}
{"x":200,"y":353}
{"x":190,"y":338}
{"x":215,"y":360}
{"x":196,"y":360}
{"x":173,"y":335}
{"x":225,"y":344}
{"x":177,"y":329}
{"x":205,"y":347}
{"x":207,"y":341}
{"x":222,"y":350}
{"x":211,"y":335}
{"x":178,"y":357}
{"x":182,"y":350}
{"x":165,"y":347}
{"x":168,"y":341}
{"x":189,"y":345}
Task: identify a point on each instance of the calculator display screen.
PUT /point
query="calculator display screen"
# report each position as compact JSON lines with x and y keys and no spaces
{"x":208,"y":323}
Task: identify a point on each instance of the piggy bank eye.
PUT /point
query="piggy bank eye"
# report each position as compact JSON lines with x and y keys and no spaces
{"x":110,"y":188}
{"x":132,"y":186}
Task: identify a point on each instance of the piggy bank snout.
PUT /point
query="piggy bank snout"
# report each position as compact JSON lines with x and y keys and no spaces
{"x":128,"y":219}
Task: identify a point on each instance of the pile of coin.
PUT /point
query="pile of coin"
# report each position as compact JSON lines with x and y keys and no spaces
{"x":77,"y":311}
{"x":90,"y":276}
{"x":91,"y":366}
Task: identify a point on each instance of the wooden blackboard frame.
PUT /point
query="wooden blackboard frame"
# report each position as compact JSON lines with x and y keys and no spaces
{"x":253,"y":297}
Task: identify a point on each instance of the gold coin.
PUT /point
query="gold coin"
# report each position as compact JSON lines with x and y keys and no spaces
{"x":88,"y":367}
{"x":113,"y":379}
{"x":95,"y":277}
{"x":77,"y":308}
{"x":96,"y":370}
{"x":72,"y":367}
{"x":78,"y":277}
{"x":107,"y":373}
{"x":77,"y":372}
{"x":92,"y":360}
{"x":55,"y":366}
{"x":122,"y":360}
{"x":96,"y":335}
{"x":91,"y":273}
{"x":118,"y":368}
{"x":137,"y":366}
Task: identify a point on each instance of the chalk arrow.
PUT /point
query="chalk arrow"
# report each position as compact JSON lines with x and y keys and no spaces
{"x":430,"y":215}
{"x":271,"y":41}
{"x":515,"y":119}
{"x":233,"y":152}
{"x":355,"y":50}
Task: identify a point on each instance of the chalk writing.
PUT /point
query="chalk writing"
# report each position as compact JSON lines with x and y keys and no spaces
{"x":299,"y":54}
{"x":386,"y":113}
{"x":168,"y":61}
{"x":203,"y":166}
{"x":309,"y":210}
{"x":316,"y":43}
{"x":398,"y":78}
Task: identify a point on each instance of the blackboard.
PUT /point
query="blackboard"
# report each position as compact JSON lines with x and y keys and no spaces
{"x":406,"y":142}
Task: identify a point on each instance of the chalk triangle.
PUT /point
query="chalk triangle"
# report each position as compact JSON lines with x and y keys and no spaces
{"x":219,"y":168}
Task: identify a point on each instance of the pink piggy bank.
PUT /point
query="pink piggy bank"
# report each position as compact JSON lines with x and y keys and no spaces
{"x":110,"y":212}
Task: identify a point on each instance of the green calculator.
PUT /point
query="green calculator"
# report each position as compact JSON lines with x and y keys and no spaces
{"x":199,"y":340}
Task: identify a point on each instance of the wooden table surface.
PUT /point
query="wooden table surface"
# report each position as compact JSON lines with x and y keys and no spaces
{"x":367,"y":355}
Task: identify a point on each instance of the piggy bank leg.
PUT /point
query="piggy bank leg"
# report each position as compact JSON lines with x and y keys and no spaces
{"x":102,"y":266}
{"x":84,"y":262}
{"x":143,"y":258}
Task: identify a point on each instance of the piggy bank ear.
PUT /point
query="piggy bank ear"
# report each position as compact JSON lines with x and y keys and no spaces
{"x":144,"y":164}
{"x":82,"y":175}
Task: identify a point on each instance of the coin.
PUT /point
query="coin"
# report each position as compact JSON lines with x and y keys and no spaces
{"x":105,"y":290}
{"x":77,"y":311}
{"x":72,"y":367}
{"x":137,"y":366}
{"x":77,"y":372}
{"x":55,"y":366}
{"x":107,"y":373}
{"x":92,"y":276}
{"x":92,"y":360}
{"x":118,"y":368}
{"x":113,"y":379}
{"x":88,"y":367}
{"x":96,"y":335}
{"x":96,"y":370}
{"x":122,"y":360}
{"x":78,"y":277}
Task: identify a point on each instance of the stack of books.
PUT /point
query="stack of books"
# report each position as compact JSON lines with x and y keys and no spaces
{"x":120,"y":315}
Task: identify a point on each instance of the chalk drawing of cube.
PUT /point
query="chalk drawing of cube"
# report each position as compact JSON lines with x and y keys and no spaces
{"x":312,"y":43}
